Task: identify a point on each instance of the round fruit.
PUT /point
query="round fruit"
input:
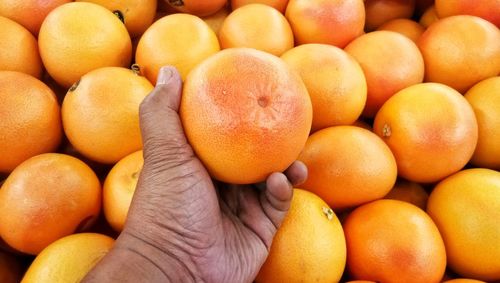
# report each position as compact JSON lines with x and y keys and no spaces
{"x":342,"y":161}
{"x":29,"y":13}
{"x":309,"y":245}
{"x":11,"y":270}
{"x":215,"y":21}
{"x":77,"y":38}
{"x":119,"y":189}
{"x":393,"y":241}
{"x":334,"y":22}
{"x":31,"y":121}
{"x":430,"y":128}
{"x":334,"y":80}
{"x":429,"y":17}
{"x":180,"y":40}
{"x":466,"y":209}
{"x":457,"y":60}
{"x":390,"y":61}
{"x":271,"y":33}
{"x":408,"y":28}
{"x":100,"y":113}
{"x":137,"y":15}
{"x":200,"y":8}
{"x":69,"y":259}
{"x":18,"y":49}
{"x":244,"y":124}
{"x":485,"y":100}
{"x":379,"y":12}
{"x":409,"y":192}
{"x":279,"y":5}
{"x":463,"y":280}
{"x":48,"y":196}
{"x":486,"y":9}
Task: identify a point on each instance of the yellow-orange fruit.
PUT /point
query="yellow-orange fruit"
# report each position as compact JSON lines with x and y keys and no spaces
{"x":379,"y":12}
{"x":215,"y":21}
{"x":466,"y":209}
{"x":406,"y":27}
{"x":429,"y":17}
{"x":409,"y":192}
{"x":30,"y":122}
{"x":334,"y":22}
{"x":279,"y":5}
{"x":460,"y":61}
{"x":48,"y":196}
{"x":200,"y":8}
{"x":246,"y":114}
{"x":486,"y":9}
{"x":430,"y":128}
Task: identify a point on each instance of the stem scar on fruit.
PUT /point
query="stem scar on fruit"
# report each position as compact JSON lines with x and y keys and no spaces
{"x":176,"y":2}
{"x":120,"y":16}
{"x":328,"y":212}
{"x":136,"y":69}
{"x":386,"y":131}
{"x":74,"y":86}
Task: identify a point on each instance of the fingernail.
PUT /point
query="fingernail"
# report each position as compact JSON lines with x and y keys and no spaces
{"x":164,"y":76}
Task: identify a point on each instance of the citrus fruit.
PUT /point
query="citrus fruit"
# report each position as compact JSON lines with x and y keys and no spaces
{"x":18,"y":49}
{"x":431,"y":130}
{"x":362,"y":124}
{"x":348,"y":166}
{"x":119,"y":189}
{"x":271,"y":33}
{"x":215,"y":21}
{"x":180,"y":40}
{"x":428,"y":17}
{"x":48,"y":196}
{"x":309,"y":245}
{"x":393,"y":241}
{"x":68,"y":259}
{"x":29,"y":13}
{"x":409,"y":192}
{"x":390,"y":62}
{"x":463,"y":280}
{"x":334,"y":80}
{"x":31,"y":121}
{"x":379,"y":12}
{"x":11,"y":270}
{"x":244,"y":124}
{"x":421,"y":6}
{"x":334,"y":22}
{"x":485,"y":100}
{"x":466,"y":209}
{"x":100,"y":113}
{"x":486,"y":9}
{"x":406,"y":27}
{"x":457,"y":60}
{"x":137,"y":15}
{"x":79,"y":37}
{"x":197,"y":7}
{"x":279,"y":5}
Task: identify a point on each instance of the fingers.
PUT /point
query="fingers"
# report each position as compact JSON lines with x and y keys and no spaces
{"x":276,"y":198}
{"x":296,"y":173}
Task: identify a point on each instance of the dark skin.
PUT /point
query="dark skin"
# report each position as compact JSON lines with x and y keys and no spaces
{"x":182,"y":226}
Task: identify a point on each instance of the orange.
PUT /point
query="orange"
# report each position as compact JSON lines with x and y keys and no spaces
{"x":457,"y":60}
{"x":48,"y":196}
{"x":342,"y":160}
{"x":421,"y":6}
{"x":68,"y":259}
{"x":379,"y":12}
{"x":119,"y":189}
{"x":463,"y":280}
{"x":406,"y":27}
{"x":77,"y":38}
{"x":334,"y":22}
{"x":429,"y":17}
{"x":31,"y":121}
{"x":390,"y":62}
{"x":409,"y":192}
{"x":393,"y":241}
{"x":271,"y":33}
{"x":466,"y":209}
{"x":430,"y":128}
{"x":215,"y":21}
{"x":11,"y":270}
{"x":334,"y":80}
{"x":485,"y":100}
{"x":180,"y":40}
{"x":29,"y":13}
{"x":279,"y":5}
{"x":244,"y":124}
{"x":362,"y":124}
{"x":486,"y":9}
{"x":137,"y":15}
{"x":101,"y":113}
{"x":18,"y":49}
{"x":309,"y":245}
{"x":200,"y":8}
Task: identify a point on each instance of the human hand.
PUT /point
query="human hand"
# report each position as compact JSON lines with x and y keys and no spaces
{"x":182,"y":226}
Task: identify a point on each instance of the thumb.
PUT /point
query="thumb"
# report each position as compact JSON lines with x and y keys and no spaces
{"x":162,"y":133}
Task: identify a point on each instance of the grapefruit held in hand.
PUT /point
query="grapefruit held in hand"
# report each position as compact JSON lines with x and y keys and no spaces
{"x":246,"y":114}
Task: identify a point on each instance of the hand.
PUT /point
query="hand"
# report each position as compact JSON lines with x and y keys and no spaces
{"x":182,"y":226}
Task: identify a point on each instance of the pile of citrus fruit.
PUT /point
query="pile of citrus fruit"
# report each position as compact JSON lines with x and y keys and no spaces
{"x":393,"y":105}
